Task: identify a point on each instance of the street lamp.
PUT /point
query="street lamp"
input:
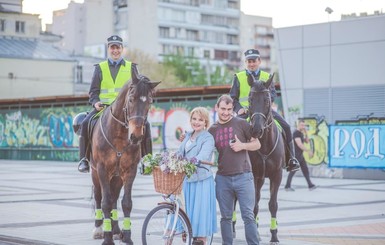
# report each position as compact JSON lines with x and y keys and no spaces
{"x":329,"y":11}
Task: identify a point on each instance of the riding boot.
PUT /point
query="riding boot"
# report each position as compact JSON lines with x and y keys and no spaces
{"x":84,"y":165}
{"x":292,"y":164}
{"x":146,"y":144}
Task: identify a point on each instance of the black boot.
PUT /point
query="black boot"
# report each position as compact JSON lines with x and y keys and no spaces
{"x":292,"y":164}
{"x":84,"y":165}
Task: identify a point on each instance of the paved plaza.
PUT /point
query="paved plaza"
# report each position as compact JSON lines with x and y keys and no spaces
{"x":48,"y":202}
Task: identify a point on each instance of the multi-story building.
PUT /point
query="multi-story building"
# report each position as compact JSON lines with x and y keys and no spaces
{"x":30,"y":66}
{"x":257,"y":32}
{"x":210,"y":31}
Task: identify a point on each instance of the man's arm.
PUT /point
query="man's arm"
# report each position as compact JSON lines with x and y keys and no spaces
{"x":95,"y":86}
{"x":300,"y":145}
{"x":253,"y":145}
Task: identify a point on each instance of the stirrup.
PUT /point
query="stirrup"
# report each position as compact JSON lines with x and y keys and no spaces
{"x":293,"y":165}
{"x":84,"y":165}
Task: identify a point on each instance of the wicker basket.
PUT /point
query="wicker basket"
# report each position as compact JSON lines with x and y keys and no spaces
{"x":167,"y":183}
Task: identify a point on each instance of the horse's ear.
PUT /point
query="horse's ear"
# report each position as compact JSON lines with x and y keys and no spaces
{"x":154,"y":84}
{"x":269,"y":81}
{"x":250,"y":79}
{"x":135,"y":76}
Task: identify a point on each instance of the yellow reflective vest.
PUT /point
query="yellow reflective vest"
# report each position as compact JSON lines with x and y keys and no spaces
{"x":244,"y":87}
{"x":108,"y":88}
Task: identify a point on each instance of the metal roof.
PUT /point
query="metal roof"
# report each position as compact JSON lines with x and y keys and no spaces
{"x":29,"y":48}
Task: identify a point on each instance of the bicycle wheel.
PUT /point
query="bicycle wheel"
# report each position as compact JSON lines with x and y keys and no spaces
{"x":158,"y":225}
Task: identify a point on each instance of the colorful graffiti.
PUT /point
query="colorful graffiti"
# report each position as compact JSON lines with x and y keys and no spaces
{"x":51,"y":129}
{"x":318,"y":133}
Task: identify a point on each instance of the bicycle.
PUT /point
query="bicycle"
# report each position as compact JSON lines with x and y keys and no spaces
{"x":160,"y":223}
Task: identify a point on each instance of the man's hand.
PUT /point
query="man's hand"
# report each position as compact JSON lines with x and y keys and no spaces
{"x":182,"y":136}
{"x":236,"y":144}
{"x":242,"y":111}
{"x":99,"y":106}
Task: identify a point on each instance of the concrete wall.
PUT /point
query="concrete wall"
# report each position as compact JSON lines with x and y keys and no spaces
{"x":35,"y":78}
{"x":344,"y":54}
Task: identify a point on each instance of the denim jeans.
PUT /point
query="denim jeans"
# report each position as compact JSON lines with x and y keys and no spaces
{"x":240,"y":186}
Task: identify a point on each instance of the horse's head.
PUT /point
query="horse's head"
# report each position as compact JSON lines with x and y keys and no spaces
{"x":260,"y":107}
{"x":139,"y":98}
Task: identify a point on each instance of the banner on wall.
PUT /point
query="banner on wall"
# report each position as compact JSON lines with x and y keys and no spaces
{"x":357,"y":146}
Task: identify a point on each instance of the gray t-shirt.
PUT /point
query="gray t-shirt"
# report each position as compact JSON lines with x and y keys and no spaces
{"x":229,"y":161}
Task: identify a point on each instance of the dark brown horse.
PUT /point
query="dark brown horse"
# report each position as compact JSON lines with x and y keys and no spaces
{"x":115,"y":154}
{"x":268,"y":161}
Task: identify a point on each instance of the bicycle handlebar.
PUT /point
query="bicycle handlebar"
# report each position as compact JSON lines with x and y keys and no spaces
{"x":207,"y":162}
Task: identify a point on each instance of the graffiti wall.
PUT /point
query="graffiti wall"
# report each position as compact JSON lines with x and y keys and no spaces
{"x":46,"y":133}
{"x":38,"y":130}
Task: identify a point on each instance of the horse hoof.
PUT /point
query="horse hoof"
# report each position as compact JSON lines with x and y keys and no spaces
{"x":126,"y":237}
{"x":274,"y":243}
{"x":98,"y":233}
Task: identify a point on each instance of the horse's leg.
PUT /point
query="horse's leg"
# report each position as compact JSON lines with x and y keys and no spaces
{"x":275,"y":182}
{"x":98,"y":231}
{"x":127,"y":204}
{"x":234,"y":218}
{"x":116,"y":186}
{"x":258,"y":168}
{"x":106,"y":205}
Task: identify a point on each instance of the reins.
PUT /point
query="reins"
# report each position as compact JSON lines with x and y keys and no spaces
{"x":125,"y":124}
{"x":118,"y":153}
{"x":268,"y":123}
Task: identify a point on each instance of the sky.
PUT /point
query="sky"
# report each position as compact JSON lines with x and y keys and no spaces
{"x":283,"y":12}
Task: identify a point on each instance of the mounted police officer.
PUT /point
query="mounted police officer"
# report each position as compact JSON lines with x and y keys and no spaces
{"x":239,"y":92}
{"x":108,"y":78}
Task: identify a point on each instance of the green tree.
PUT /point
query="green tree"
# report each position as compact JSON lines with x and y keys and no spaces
{"x":177,"y":70}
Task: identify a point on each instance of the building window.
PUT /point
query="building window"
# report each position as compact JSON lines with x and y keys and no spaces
{"x":164,"y":32}
{"x":192,"y":35}
{"x":220,"y":54}
{"x":2,"y":25}
{"x":20,"y":27}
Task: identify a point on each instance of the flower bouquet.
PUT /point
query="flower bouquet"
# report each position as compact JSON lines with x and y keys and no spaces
{"x":168,"y":169}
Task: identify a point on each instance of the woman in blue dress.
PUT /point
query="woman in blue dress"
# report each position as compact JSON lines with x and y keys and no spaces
{"x":199,"y":189}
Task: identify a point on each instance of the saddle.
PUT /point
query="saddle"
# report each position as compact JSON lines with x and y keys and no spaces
{"x":145,"y":145}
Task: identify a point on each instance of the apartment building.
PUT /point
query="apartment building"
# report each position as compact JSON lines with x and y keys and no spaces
{"x":210,"y":31}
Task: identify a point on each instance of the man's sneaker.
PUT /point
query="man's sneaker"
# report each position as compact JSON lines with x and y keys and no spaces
{"x":289,"y":189}
{"x":312,"y":187}
{"x":293,"y":165}
{"x":84,"y":166}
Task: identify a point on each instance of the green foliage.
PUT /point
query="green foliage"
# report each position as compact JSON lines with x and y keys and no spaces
{"x":169,"y":163}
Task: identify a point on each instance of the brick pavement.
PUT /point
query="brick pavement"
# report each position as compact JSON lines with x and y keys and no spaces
{"x":50,"y":203}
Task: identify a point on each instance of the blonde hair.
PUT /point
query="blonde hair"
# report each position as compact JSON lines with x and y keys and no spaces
{"x":202,"y":112}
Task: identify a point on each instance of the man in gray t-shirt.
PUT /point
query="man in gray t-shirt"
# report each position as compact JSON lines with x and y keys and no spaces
{"x":234,"y":179}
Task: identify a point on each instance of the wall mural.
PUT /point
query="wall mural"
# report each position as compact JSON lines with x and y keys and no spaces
{"x":46,"y":133}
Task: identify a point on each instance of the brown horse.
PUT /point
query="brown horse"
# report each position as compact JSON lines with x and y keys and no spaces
{"x":115,"y":154}
{"x":268,"y":161}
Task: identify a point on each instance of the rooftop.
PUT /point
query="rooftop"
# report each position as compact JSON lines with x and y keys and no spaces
{"x":30,"y":48}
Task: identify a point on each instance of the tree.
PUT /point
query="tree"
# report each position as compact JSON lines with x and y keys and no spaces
{"x":177,"y":70}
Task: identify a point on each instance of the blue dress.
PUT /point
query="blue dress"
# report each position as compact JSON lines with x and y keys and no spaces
{"x":199,"y":189}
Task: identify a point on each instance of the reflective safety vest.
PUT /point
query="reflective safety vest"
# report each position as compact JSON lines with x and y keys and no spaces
{"x":108,"y":88}
{"x":244,"y":87}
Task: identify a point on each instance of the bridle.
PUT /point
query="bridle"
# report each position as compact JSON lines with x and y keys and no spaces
{"x":125,"y":124}
{"x":267,"y":120}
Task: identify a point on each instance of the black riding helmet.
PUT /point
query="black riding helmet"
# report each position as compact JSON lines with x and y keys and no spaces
{"x":77,"y":122}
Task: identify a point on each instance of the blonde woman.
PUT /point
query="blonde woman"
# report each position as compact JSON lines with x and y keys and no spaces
{"x":199,"y":189}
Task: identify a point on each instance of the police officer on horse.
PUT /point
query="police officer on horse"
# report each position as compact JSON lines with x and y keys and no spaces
{"x":108,"y":78}
{"x":239,"y":92}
